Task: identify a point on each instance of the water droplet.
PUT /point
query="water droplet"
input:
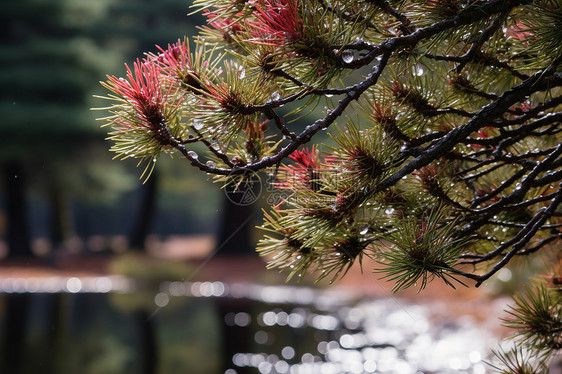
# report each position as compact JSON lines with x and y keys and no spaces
{"x":198,"y":124}
{"x":347,"y":56}
{"x":242,"y":74}
{"x":364,"y":231}
{"x":193,"y":155}
{"x":276,"y":96}
{"x":389,"y":210}
{"x":210,"y":164}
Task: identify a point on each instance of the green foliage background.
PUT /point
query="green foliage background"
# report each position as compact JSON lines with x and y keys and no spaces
{"x":52,"y":56}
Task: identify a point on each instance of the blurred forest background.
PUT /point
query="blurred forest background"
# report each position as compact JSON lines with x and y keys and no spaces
{"x":60,"y":191}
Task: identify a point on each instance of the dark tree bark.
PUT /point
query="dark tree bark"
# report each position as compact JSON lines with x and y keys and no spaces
{"x":141,"y":229}
{"x":61,"y":218}
{"x":236,"y":223}
{"x":144,"y":217}
{"x":17,"y":236}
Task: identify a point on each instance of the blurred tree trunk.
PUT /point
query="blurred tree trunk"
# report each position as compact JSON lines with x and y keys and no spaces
{"x":61,"y":217}
{"x":236,"y":224}
{"x":17,"y":236}
{"x":140,"y":231}
{"x":145,"y":215}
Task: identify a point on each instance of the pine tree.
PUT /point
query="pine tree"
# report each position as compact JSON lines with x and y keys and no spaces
{"x":444,"y":116}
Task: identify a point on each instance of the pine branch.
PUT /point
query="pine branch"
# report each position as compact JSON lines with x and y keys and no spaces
{"x":406,"y":25}
{"x":475,"y":48}
{"x":517,"y":243}
{"x":459,"y":110}
{"x":480,"y":59}
{"x":537,"y":82}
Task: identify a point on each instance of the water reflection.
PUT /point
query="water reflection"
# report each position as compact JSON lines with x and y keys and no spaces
{"x":102,"y":284}
{"x":380,"y":336}
{"x":243,"y":328}
{"x":383,"y":336}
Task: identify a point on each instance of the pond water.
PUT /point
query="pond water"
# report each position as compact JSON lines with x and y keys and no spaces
{"x":110,"y":325}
